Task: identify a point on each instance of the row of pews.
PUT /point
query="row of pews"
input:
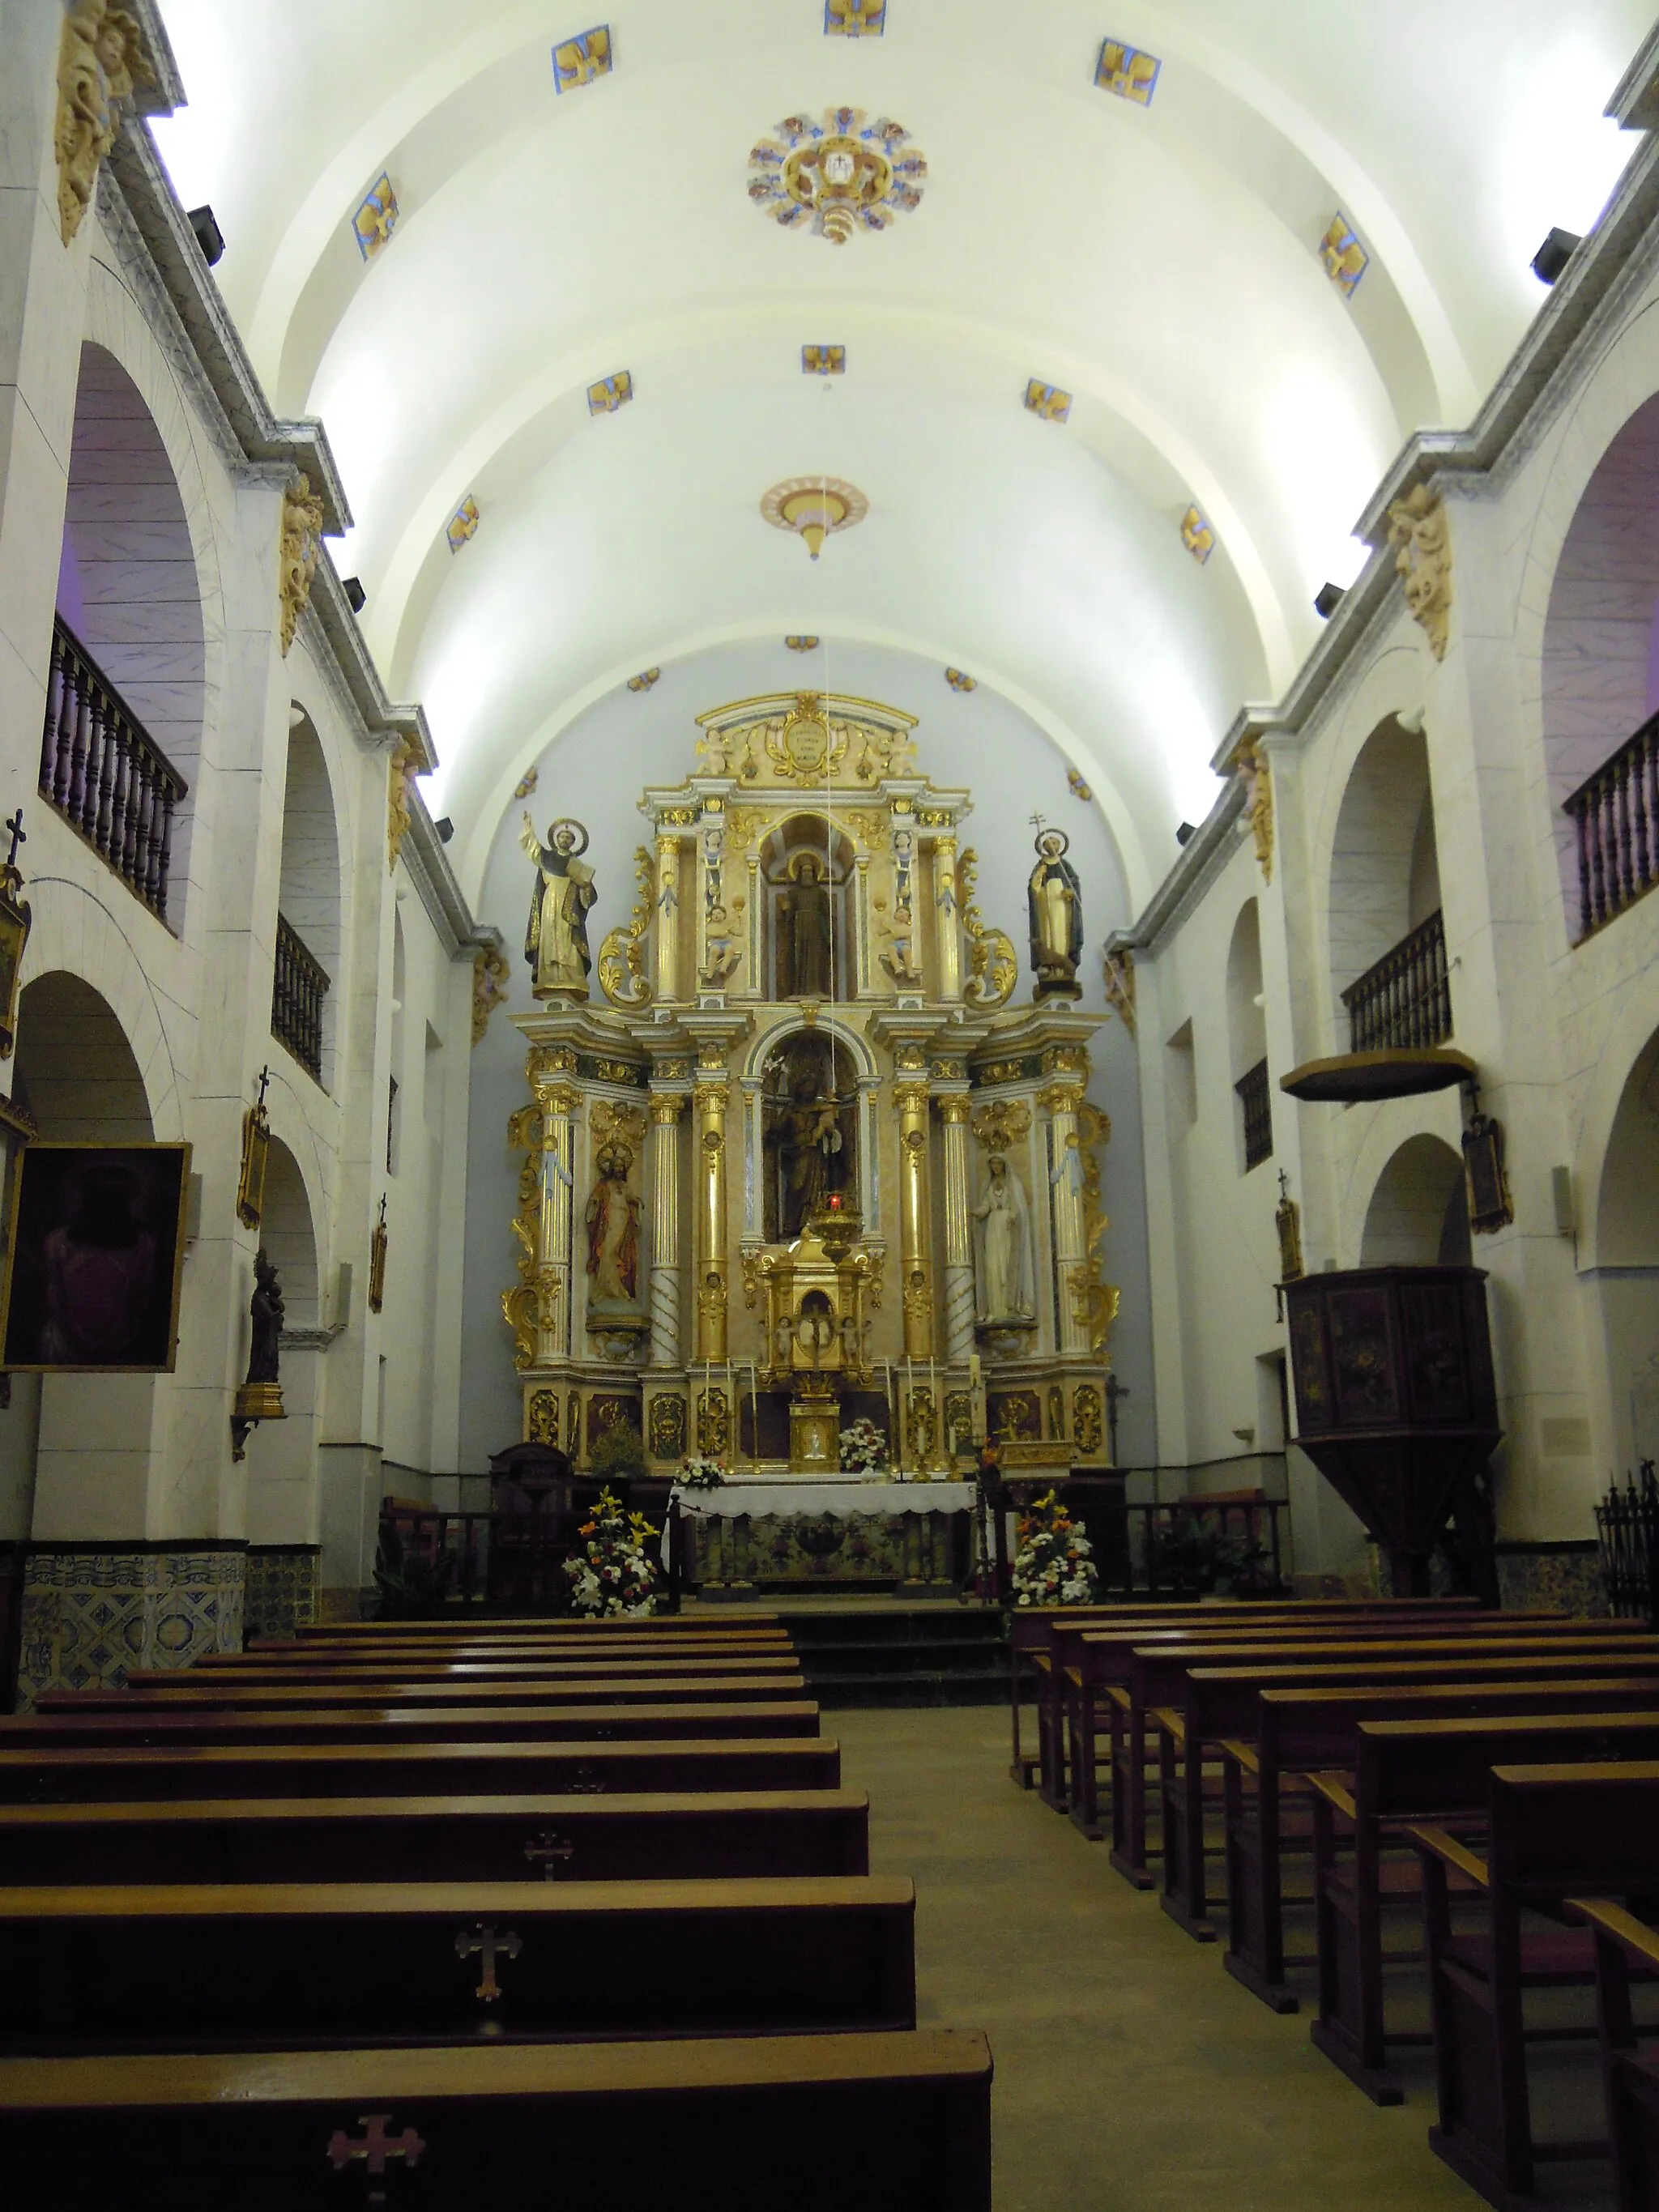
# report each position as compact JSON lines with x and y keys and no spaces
{"x":1366,"y":1770}
{"x":522,"y":1913}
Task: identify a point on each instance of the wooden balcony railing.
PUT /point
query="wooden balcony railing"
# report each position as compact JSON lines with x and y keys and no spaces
{"x":298,"y":990}
{"x":1616,"y":814}
{"x":105,"y":774}
{"x":1257,"y":1102}
{"x":1404,"y":1003}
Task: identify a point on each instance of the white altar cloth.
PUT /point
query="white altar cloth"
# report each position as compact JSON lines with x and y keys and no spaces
{"x":836,"y":1498}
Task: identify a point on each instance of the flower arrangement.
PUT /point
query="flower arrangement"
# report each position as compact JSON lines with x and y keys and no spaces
{"x":863,"y":1448}
{"x":697,"y":1472}
{"x":1054,"y":1563}
{"x":613,"y":1573}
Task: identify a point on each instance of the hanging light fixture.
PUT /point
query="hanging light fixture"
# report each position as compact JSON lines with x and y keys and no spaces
{"x":814,"y":507}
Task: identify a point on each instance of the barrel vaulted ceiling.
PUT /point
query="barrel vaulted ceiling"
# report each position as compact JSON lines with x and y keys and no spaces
{"x":1156,"y":260}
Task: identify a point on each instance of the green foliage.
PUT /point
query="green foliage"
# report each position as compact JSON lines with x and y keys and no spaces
{"x":1200,"y":1555}
{"x":411,"y":1586}
{"x":619,"y":1452}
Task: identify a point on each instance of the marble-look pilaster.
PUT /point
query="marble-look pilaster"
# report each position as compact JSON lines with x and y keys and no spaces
{"x":559,"y":1104}
{"x":666,"y":1267}
{"x":954,"y":1107}
{"x":1059,"y":1104}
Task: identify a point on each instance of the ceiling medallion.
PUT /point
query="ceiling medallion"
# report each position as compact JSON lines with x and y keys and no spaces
{"x":814,"y":507}
{"x":836,"y":177}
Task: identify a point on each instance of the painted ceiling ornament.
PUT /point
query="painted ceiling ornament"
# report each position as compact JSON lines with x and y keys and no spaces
{"x":376,"y":218}
{"x":823,"y":360}
{"x":854,"y":19}
{"x":528,"y":783}
{"x":1047,"y":401}
{"x":1344,"y":258}
{"x":833,"y":178}
{"x":803,"y":644}
{"x":301,"y":545}
{"x":101,"y":56}
{"x":1423,"y":556}
{"x":645,"y":679}
{"x":1126,"y":71}
{"x":1251,"y":761}
{"x":462,"y":526}
{"x":814,"y":507}
{"x":959,"y":680}
{"x":1077,"y":787}
{"x":1197,"y":535}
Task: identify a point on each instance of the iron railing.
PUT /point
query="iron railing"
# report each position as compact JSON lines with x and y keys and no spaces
{"x":101,"y":770}
{"x":299,"y":989}
{"x":1404,"y":1002}
{"x":1616,"y":814}
{"x":1257,"y":1102}
{"x":1627,"y":1522}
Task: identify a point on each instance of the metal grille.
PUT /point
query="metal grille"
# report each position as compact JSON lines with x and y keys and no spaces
{"x":1627,"y":1522}
{"x":1256,"y":1104}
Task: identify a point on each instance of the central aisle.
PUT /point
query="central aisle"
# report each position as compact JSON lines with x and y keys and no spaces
{"x":1132,"y":2074}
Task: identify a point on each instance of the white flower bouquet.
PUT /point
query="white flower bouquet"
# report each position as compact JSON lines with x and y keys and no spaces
{"x":698,"y":1473}
{"x":1054,"y":1563}
{"x":863,"y":1448}
{"x":613,"y":1574}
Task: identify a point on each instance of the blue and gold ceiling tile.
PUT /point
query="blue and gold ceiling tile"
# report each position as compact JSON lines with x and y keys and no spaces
{"x":611,"y":392}
{"x":1125,"y":70}
{"x":1049,"y":401}
{"x":1344,"y":258}
{"x":1197,"y":536}
{"x":579,"y":61}
{"x":375,"y":219}
{"x":462,"y":524}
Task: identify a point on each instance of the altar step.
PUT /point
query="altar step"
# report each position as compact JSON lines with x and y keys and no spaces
{"x":875,"y":1651}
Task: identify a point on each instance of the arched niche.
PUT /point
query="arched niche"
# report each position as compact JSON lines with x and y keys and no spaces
{"x":282,"y":1455}
{"x":308,"y":894}
{"x":1247,"y":1038}
{"x":1419,"y":1215}
{"x":127,"y":586}
{"x":808,"y":845}
{"x":810,"y":1134}
{"x":1627,"y":1203}
{"x":1385,"y":874}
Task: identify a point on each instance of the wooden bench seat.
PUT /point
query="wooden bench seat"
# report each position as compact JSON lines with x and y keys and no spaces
{"x":249,"y":1966}
{"x":1626,"y":1951}
{"x":1554,"y":1831}
{"x":191,"y":1695}
{"x":887,"y":2123}
{"x":412,"y":1724}
{"x":419,"y":1770}
{"x":623,"y":1837}
{"x":466,"y":1670}
{"x":470,"y":1624}
{"x":280,"y":1653}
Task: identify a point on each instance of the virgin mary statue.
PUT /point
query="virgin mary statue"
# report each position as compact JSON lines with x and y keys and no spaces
{"x":1002,"y":1247}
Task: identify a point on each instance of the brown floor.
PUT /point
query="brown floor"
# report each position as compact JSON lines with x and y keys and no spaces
{"x":1133,"y":2074}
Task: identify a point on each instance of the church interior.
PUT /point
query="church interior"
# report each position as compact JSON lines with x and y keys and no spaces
{"x":829,"y":1105}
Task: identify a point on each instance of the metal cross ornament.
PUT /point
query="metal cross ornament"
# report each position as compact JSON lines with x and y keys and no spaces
{"x":547,"y":1847}
{"x":19,"y":837}
{"x":485,"y":1943}
{"x":376,"y":2148}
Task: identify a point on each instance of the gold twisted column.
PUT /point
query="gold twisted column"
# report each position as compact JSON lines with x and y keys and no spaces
{"x":953,"y":1111}
{"x":710,"y":1101}
{"x":915,"y":1240}
{"x":1061,"y":1103}
{"x":668,"y":917}
{"x":948,"y":907}
{"x":666,"y":1108}
{"x":559,"y":1104}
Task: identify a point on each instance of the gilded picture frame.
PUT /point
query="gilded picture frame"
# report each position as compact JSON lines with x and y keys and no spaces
{"x":94,"y":1262}
{"x":377,"y":1250}
{"x":256,"y":1154}
{"x":15,"y":921}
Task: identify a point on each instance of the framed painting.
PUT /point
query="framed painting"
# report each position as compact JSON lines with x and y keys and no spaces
{"x":95,"y":1260}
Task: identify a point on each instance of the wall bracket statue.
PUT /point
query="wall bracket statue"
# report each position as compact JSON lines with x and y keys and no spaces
{"x":1054,"y":897}
{"x":556,"y":941}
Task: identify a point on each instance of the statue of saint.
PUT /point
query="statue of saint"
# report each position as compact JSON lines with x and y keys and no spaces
{"x":265,"y":1310}
{"x":1002,"y":1247}
{"x":612,"y":1221}
{"x":805,"y":1133}
{"x":1054,"y":898}
{"x":556,"y":943}
{"x":804,"y":933}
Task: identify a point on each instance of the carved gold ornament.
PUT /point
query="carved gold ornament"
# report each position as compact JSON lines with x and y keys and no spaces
{"x":1086,"y":1418}
{"x":1251,"y":761}
{"x":993,"y":966}
{"x":622,"y":959}
{"x":1094,"y":1303}
{"x":101,"y":59}
{"x":814,"y":508}
{"x":490,"y":976}
{"x":1121,"y":985}
{"x":621,"y":1127}
{"x":300,"y":543}
{"x":398,"y":814}
{"x":542,"y":1418}
{"x":838,"y":176}
{"x":1002,"y":1123}
{"x":1422,"y":543}
{"x":803,"y":738}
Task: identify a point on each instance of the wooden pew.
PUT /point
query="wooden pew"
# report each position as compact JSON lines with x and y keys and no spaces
{"x":251,"y":1966}
{"x":1157,"y":1685}
{"x":624,"y":1836}
{"x":281,"y":1651}
{"x":1626,"y":1950}
{"x":101,"y":1774}
{"x":192,"y":1694}
{"x":369,"y":1723}
{"x":537,"y":1624}
{"x":439,"y":1670}
{"x":1554,"y":1832}
{"x":887,"y":2123}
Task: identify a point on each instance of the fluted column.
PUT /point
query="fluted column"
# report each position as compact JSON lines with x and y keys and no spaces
{"x":559,"y":1104}
{"x":668,"y":917}
{"x":915,"y":1242}
{"x":953,"y":1111}
{"x":666,"y":1108}
{"x":1061,"y":1104}
{"x":710,"y":1100}
{"x":948,"y":906}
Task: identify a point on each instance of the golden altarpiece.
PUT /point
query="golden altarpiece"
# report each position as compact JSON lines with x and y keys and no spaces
{"x":796,"y":1157}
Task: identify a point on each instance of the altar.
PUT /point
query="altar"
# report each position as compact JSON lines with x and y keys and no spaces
{"x":747,"y":1535}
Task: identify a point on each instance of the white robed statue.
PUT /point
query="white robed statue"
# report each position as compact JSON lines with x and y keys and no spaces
{"x":1002,"y":1247}
{"x":555,"y":942}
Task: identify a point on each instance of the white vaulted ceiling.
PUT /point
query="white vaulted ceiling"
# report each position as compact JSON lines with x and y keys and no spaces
{"x":1159,"y":262}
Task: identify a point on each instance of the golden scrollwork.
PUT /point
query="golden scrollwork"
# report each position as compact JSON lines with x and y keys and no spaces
{"x":806,"y":738}
{"x":1002,"y":1070}
{"x":1002,"y":1122}
{"x":910,"y":1059}
{"x":299,"y":544}
{"x":1094,"y":1306}
{"x":548,"y":1060}
{"x":868,"y":827}
{"x":993,"y":968}
{"x":399,"y":781}
{"x":713,"y":1423}
{"x":1086,"y":1418}
{"x":1422,"y":541}
{"x":756,"y":1265}
{"x":611,"y":1123}
{"x":745,"y":826}
{"x":911,"y":1098}
{"x":1120,"y":985}
{"x":101,"y":59}
{"x":1094,"y":1303}
{"x":1251,"y":761}
{"x":542,"y":1418}
{"x":622,"y":957}
{"x":490,"y":976}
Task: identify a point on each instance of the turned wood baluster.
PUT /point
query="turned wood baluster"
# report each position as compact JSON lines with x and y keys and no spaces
{"x":153,"y":863}
{"x":48,"y":734}
{"x":1598,"y":860}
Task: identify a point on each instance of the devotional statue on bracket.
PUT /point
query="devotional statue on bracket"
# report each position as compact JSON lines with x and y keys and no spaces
{"x":1054,"y":898}
{"x":612,"y":1221}
{"x":805,"y":933}
{"x":555,"y":942}
{"x":808,"y":1134}
{"x":1002,"y":1247}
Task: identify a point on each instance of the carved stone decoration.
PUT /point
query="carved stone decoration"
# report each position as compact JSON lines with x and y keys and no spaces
{"x":622,"y":956}
{"x":993,"y":966}
{"x":1422,"y":543}
{"x":298,"y":546}
{"x":397,"y":813}
{"x":1120,"y":985}
{"x":101,"y":59}
{"x":490,"y":974}
{"x":1250,"y":763}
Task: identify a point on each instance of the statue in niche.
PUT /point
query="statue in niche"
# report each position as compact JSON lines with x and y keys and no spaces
{"x":1054,"y":898}
{"x":808,"y":1131}
{"x":1002,"y":1247}
{"x":805,"y":941}
{"x":265,"y":1310}
{"x":555,"y":942}
{"x":612,"y":1221}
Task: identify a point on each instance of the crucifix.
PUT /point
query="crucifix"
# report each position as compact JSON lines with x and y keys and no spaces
{"x":19,"y":837}
{"x":485,"y":1943}
{"x":376,"y":2148}
{"x":547,"y":1847}
{"x":1115,"y":1390}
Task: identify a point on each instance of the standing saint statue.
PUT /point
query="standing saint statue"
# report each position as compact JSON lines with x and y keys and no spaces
{"x":803,"y":932}
{"x":1054,"y":898}
{"x":807,"y":1134}
{"x":555,"y":942}
{"x":1002,"y":1247}
{"x":612,"y":1221}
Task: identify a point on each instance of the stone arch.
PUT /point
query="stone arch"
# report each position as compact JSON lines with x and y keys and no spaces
{"x":1419,"y":1215}
{"x":1247,"y":1020}
{"x":309,"y":894}
{"x":77,"y":933}
{"x":1384,"y":865}
{"x":1626,"y":1203}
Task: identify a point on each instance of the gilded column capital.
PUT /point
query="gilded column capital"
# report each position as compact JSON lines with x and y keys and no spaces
{"x":712,"y":1098}
{"x":911,"y":1097}
{"x":954,"y":1107}
{"x":558,"y":1099}
{"x":1061,"y":1098}
{"x":667,"y":1106}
